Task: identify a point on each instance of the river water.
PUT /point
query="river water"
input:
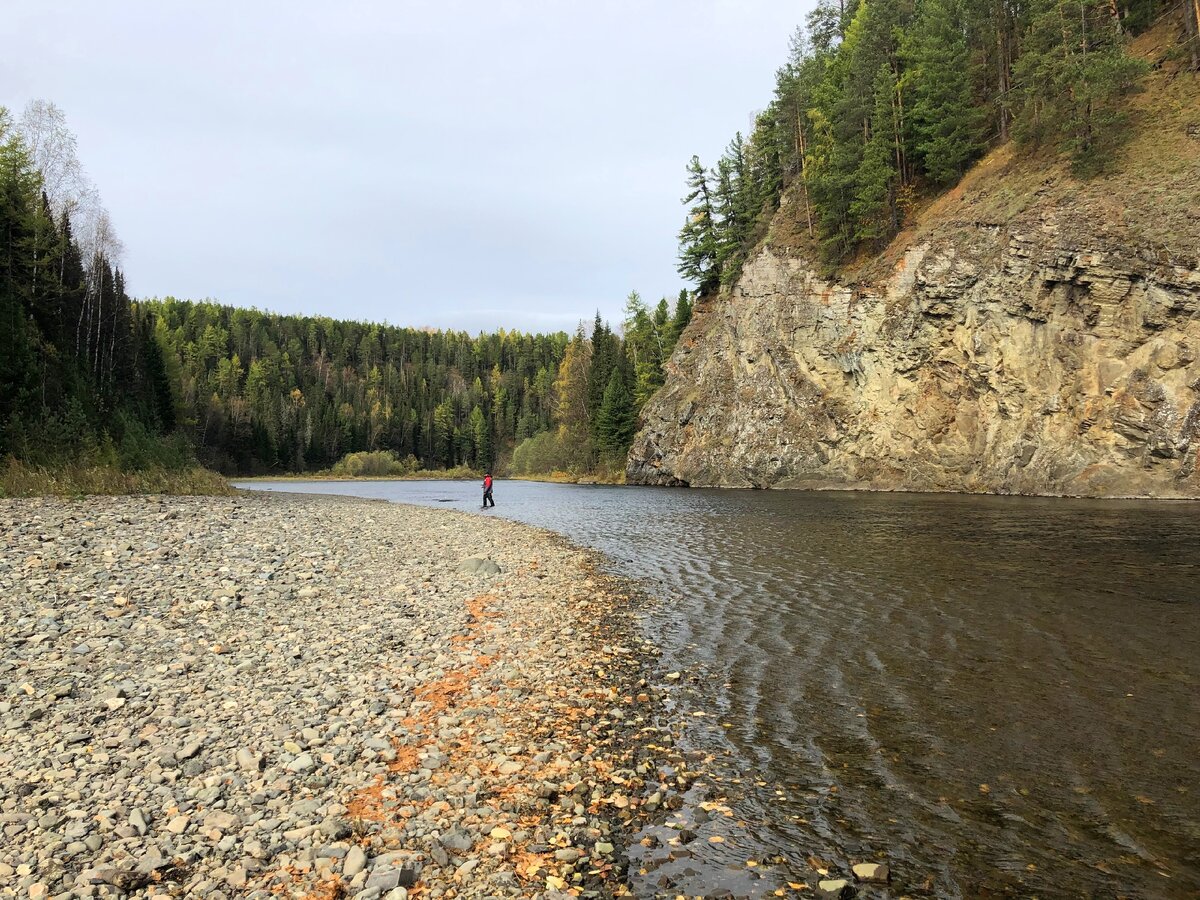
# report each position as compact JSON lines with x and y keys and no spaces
{"x":999,"y":696}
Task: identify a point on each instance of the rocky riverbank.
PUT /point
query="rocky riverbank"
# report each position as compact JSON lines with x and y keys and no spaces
{"x":275,"y":695}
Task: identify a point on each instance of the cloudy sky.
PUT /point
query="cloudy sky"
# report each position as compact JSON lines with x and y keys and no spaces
{"x":457,"y":164}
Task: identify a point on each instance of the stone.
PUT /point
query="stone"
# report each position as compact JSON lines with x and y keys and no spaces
{"x":383,"y":880}
{"x":834,"y":889}
{"x":355,"y":862}
{"x":221,"y":821}
{"x":477,"y":565}
{"x":178,"y":825}
{"x":871,"y":873}
{"x":456,"y":841}
{"x":463,"y":871}
{"x":302,"y":764}
{"x":137,"y":818}
{"x":249,"y":761}
{"x":335,"y":828}
{"x":189,"y":750}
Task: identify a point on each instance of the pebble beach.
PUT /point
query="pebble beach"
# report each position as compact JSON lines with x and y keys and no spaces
{"x":291,"y":696}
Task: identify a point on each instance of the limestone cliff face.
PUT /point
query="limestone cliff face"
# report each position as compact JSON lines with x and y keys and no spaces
{"x":1052,"y":355}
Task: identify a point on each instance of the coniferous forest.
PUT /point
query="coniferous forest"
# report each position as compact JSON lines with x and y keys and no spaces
{"x":261,"y":392}
{"x":90,"y":377}
{"x":883,"y":102}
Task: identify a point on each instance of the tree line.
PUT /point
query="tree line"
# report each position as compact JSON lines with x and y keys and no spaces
{"x":260,"y":392}
{"x":883,"y":100}
{"x":87,"y":374}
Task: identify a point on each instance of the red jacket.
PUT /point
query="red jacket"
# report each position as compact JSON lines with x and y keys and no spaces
{"x":487,"y":483}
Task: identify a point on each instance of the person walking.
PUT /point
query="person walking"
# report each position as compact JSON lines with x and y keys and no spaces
{"x":487,"y":491}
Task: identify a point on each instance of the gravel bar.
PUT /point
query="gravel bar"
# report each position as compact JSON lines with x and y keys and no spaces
{"x":292,"y":696}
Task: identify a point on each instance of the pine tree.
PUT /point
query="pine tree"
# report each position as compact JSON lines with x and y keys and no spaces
{"x":698,"y":237}
{"x":945,"y":118}
{"x":1073,"y":76}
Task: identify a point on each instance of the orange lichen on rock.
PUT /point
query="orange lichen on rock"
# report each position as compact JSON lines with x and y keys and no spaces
{"x":367,"y":803}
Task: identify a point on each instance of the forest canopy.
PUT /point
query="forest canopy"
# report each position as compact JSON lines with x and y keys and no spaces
{"x":882,"y":102}
{"x":261,"y":392}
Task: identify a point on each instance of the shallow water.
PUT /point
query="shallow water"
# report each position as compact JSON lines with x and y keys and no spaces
{"x":999,"y":695}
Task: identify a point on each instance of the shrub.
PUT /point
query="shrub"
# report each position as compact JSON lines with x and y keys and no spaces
{"x":374,"y":464}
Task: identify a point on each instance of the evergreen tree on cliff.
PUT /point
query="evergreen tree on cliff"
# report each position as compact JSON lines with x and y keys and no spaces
{"x":1072,"y":77}
{"x":945,"y":119}
{"x":874,"y":205}
{"x":680,"y":318}
{"x":698,"y":237}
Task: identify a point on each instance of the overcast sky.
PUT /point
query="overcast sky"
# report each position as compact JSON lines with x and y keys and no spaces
{"x":457,"y":164}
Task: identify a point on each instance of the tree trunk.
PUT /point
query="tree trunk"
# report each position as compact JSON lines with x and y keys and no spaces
{"x":1003,"y":64}
{"x":1191,"y":19}
{"x":898,"y":132}
{"x":802,"y":148}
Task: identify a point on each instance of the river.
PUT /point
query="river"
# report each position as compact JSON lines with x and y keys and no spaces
{"x":998,"y":696}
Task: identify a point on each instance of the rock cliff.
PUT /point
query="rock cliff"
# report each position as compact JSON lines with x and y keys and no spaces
{"x":1029,"y":335}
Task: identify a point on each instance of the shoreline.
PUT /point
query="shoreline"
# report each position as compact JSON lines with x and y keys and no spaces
{"x":289,"y":695}
{"x":426,"y":476}
{"x":585,"y":481}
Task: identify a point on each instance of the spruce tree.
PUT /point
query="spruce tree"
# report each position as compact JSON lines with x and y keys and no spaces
{"x":603,"y":361}
{"x":616,"y":420}
{"x":681,"y":316}
{"x":481,"y":438}
{"x":873,"y":207}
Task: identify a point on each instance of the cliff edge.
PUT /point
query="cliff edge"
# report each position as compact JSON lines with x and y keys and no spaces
{"x":1028,"y":334}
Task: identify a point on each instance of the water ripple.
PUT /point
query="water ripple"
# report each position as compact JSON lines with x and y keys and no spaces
{"x":997,"y":694}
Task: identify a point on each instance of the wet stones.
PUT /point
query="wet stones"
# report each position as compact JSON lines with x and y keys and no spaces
{"x":871,"y":873}
{"x":834,"y":889}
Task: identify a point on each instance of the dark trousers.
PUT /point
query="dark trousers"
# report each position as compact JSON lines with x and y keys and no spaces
{"x":487,"y":499}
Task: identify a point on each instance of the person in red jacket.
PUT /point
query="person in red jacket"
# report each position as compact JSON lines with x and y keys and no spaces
{"x":487,"y":491}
